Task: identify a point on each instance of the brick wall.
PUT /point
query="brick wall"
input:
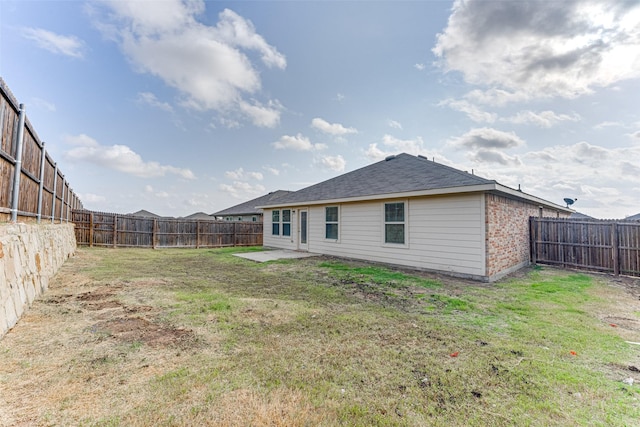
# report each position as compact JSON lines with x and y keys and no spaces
{"x":507,"y":233}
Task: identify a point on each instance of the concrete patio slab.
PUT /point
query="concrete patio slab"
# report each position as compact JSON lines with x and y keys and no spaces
{"x":274,"y":255}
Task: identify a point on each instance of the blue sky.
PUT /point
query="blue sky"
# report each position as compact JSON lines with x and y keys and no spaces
{"x":185,"y":106}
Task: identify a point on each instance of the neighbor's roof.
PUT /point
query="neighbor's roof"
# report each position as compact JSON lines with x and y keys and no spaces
{"x":403,"y":175}
{"x":635,"y":217}
{"x":249,"y":208}
{"x":580,"y":215}
{"x":145,"y":214}
{"x":199,"y":215}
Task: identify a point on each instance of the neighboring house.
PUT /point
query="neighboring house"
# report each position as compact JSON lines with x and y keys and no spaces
{"x":249,"y":211}
{"x":635,"y":217}
{"x":145,"y":214}
{"x":201,"y":215}
{"x":578,"y":215}
{"x":410,"y":211}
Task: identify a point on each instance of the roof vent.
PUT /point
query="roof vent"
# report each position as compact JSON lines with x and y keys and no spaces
{"x":422,"y":157}
{"x":391,"y":157}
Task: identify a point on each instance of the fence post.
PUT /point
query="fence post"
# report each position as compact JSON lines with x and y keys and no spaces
{"x":197,"y":234}
{"x":235,"y":234}
{"x":154,"y":233}
{"x":62,"y":200}
{"x":18,"y":165}
{"x":91,"y":229}
{"x":115,"y":229}
{"x":55,"y":190}
{"x":533,"y":233}
{"x":43,"y":158}
{"x":615,"y":245}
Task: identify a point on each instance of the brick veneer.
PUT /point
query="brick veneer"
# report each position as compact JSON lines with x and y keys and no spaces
{"x":507,"y":233}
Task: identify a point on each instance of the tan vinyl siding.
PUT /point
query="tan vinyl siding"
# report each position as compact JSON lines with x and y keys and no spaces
{"x":442,"y":233}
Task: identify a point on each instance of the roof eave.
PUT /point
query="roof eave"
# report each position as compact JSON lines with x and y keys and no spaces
{"x":493,"y":186}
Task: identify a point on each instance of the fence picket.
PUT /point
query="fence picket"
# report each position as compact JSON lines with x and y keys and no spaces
{"x":110,"y":229}
{"x":607,"y":246}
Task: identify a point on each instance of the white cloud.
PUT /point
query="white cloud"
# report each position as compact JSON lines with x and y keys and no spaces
{"x":150,"y":99}
{"x":487,"y":138}
{"x":45,"y":105}
{"x":635,"y":135}
{"x":419,"y":67}
{"x":542,"y":49}
{"x":545,"y":119}
{"x":297,"y":143}
{"x":272,"y":171}
{"x":334,"y":163}
{"x":207,"y":64}
{"x":91,"y":198}
{"x":55,"y":43}
{"x":394,"y":145}
{"x":472,"y":111}
{"x":335,"y":129}
{"x":394,"y":124}
{"x":591,"y":173}
{"x":240,"y":173}
{"x":264,"y":116}
{"x":118,"y":157}
{"x":607,"y":124}
{"x":241,"y":190}
{"x":490,"y":155}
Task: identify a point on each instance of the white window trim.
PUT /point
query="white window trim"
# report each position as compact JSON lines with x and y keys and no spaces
{"x":324,"y":231}
{"x":282,"y":223}
{"x":404,"y":245}
{"x":279,"y":221}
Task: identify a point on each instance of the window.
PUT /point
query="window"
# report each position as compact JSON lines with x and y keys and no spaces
{"x":394,"y":222}
{"x":254,"y":219}
{"x":275,"y":223}
{"x":239,"y":218}
{"x":331,"y":222}
{"x":286,"y":222}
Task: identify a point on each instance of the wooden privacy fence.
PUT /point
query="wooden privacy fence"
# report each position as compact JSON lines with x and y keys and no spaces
{"x":607,"y":246}
{"x":114,"y":230}
{"x":31,"y":185}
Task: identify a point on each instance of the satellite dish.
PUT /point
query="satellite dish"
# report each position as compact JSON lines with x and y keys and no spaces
{"x":569,"y":201}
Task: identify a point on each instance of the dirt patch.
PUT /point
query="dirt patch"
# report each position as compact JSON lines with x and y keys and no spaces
{"x":137,"y":329}
{"x":623,"y":322}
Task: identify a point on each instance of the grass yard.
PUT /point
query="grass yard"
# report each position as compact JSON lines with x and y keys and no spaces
{"x":199,"y":337}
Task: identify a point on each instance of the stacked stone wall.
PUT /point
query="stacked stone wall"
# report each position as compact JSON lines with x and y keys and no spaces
{"x":507,"y":233}
{"x":30,"y":254}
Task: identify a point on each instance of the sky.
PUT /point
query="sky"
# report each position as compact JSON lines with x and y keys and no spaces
{"x":179,"y":106}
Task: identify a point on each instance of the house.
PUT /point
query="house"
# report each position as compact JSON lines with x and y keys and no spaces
{"x":145,"y":214}
{"x":635,"y":217}
{"x":579,"y":215}
{"x":410,"y":211}
{"x":201,"y":216}
{"x":249,"y":211}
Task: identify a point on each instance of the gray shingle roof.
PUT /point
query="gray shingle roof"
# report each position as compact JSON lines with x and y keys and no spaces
{"x":635,"y":217}
{"x":200,"y":215}
{"x":145,"y":214}
{"x":249,"y":207}
{"x":399,"y":174}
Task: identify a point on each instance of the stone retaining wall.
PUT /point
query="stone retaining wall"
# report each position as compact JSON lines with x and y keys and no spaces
{"x":30,"y":254}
